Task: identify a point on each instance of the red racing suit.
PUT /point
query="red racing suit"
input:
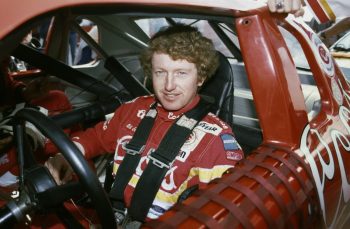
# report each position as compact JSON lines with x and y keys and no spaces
{"x":207,"y":154}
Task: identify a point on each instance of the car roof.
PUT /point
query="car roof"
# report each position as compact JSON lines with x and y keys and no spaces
{"x":16,"y":12}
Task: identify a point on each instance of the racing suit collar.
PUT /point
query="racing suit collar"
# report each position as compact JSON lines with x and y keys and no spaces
{"x":171,"y":115}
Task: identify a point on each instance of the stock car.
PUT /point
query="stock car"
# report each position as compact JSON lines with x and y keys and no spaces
{"x":289,"y":110}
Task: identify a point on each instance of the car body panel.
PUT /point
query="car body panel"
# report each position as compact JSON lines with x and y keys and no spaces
{"x":282,"y":92}
{"x":18,"y":13}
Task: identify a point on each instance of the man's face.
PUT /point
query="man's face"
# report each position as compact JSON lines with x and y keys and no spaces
{"x":175,"y":82}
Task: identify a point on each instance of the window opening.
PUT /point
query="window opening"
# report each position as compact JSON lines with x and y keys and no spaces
{"x":79,"y":51}
{"x":310,"y":91}
{"x":37,"y":38}
{"x":151,"y":25}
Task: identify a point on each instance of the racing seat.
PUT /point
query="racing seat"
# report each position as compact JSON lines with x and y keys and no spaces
{"x":221,"y":88}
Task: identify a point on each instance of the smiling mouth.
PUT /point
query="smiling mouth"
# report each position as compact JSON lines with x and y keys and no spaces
{"x":170,"y":96}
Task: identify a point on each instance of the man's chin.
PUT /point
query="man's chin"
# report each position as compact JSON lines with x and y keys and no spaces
{"x":171,"y":106}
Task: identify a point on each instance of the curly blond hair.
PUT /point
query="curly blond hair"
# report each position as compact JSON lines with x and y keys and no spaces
{"x":182,"y":42}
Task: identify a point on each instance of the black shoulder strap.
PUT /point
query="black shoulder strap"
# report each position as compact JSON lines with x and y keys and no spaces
{"x":161,"y":160}
{"x":132,"y":157}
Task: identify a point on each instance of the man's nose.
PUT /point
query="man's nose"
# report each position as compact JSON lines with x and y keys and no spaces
{"x":170,"y":83}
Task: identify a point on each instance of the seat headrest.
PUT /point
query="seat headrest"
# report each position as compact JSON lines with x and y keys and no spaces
{"x":221,"y":88}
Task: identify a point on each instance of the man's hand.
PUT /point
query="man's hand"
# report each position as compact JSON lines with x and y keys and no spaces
{"x":59,"y":168}
{"x":286,"y":6}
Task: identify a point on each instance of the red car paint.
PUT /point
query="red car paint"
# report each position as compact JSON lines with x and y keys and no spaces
{"x":298,"y":176}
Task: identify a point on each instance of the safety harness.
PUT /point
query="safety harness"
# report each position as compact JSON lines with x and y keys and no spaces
{"x":160,"y":161}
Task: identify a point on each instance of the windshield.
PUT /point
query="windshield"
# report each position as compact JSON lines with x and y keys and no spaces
{"x":295,"y":49}
{"x":343,"y":44}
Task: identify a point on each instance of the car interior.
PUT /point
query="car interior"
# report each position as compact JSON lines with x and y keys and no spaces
{"x":114,"y":75}
{"x":96,"y":88}
{"x":117,"y":76}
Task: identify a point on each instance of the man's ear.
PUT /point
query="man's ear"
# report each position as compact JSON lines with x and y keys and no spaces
{"x":200,"y":82}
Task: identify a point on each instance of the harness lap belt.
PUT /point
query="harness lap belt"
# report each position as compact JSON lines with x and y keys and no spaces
{"x":160,"y":160}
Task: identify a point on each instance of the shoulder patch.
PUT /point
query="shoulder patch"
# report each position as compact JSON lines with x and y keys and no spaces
{"x":217,"y":119}
{"x":229,"y":142}
{"x":232,"y":155}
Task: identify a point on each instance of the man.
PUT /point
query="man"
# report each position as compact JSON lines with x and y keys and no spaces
{"x":178,"y":61}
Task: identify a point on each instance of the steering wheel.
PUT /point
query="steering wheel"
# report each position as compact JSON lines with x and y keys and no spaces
{"x":41,"y":182}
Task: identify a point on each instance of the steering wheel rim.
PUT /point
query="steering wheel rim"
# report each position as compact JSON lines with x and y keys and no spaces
{"x":75,"y":158}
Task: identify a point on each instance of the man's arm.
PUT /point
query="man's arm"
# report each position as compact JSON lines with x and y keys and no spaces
{"x":223,"y":153}
{"x":92,"y":142}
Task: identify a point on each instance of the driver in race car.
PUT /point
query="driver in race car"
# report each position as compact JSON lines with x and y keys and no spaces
{"x":178,"y":60}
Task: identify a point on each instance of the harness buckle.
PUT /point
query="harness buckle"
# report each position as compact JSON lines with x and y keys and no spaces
{"x":132,"y":151}
{"x":159,"y":163}
{"x":119,"y":215}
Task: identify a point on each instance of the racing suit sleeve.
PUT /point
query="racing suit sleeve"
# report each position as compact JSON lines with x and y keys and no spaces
{"x":101,"y":138}
{"x":223,"y":153}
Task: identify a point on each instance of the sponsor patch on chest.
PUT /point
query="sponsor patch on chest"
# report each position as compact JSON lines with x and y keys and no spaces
{"x":190,"y":145}
{"x":209,"y":128}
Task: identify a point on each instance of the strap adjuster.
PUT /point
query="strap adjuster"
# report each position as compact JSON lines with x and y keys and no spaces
{"x":129,"y":149}
{"x":128,"y":223}
{"x":159,"y":163}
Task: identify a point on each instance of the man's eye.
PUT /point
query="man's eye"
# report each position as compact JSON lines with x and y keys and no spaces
{"x":181,"y":73}
{"x":160,"y":73}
